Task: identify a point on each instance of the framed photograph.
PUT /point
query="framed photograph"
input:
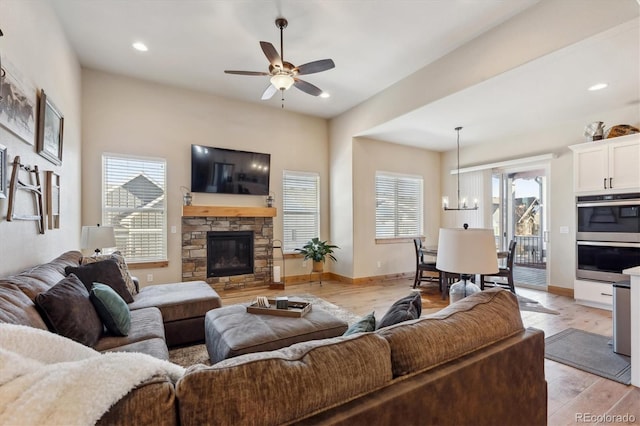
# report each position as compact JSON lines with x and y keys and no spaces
{"x":3,"y":171}
{"x":17,"y":103}
{"x":50,"y":130}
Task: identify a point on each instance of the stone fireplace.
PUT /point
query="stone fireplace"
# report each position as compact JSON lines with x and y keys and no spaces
{"x":238,"y":230}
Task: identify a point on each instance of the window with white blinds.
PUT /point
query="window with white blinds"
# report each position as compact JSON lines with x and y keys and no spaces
{"x":398,"y":205}
{"x":300,"y":208}
{"x":134,"y":203}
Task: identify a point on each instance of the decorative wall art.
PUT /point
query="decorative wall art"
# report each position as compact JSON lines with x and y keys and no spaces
{"x":50,"y":130}
{"x":53,"y":200}
{"x":17,"y":103}
{"x":3,"y":171}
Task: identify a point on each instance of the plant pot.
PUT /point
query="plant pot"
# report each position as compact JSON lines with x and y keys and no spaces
{"x":317,"y":266}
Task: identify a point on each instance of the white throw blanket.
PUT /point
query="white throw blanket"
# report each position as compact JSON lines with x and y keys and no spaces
{"x":47,"y":379}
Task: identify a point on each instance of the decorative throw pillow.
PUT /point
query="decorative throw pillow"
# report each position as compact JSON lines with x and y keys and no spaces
{"x":407,"y":308}
{"x":67,"y":310}
{"x":122,"y":265}
{"x":113,"y":311}
{"x":105,"y":272}
{"x":366,"y":323}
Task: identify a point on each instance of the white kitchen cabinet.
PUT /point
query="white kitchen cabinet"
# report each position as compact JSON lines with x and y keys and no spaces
{"x":610,"y":165}
{"x":593,"y":293}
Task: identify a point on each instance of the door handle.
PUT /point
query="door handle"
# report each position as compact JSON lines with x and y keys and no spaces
{"x":605,"y":183}
{"x":610,"y":183}
{"x":606,"y":294}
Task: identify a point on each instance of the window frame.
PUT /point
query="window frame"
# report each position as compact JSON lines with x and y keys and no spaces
{"x":288,"y":247}
{"x":140,"y":261}
{"x":398,"y":178}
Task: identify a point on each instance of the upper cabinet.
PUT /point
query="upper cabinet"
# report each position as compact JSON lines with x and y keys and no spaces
{"x":610,"y":165}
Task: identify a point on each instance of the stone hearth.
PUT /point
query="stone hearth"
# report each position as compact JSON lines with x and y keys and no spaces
{"x":194,"y":248}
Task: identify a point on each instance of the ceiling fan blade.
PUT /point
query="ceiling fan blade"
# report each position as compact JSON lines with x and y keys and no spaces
{"x":246,"y":72}
{"x":307,"y":87}
{"x":315,"y":66}
{"x":269,"y":92}
{"x":272,"y":54}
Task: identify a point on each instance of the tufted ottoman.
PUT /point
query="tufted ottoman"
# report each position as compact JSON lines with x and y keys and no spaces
{"x":231,"y":331}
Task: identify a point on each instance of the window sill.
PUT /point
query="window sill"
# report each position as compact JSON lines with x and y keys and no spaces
{"x":400,"y":240}
{"x":147,"y":265}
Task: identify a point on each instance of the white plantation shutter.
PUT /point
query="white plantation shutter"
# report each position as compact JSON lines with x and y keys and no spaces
{"x":398,"y":205}
{"x":301,"y":208}
{"x":134,"y":203}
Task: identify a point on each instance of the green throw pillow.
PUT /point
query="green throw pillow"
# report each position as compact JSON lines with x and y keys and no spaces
{"x":366,"y":323}
{"x":111,"y":308}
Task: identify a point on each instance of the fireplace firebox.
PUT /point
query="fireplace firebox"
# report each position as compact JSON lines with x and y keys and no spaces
{"x":229,"y":253}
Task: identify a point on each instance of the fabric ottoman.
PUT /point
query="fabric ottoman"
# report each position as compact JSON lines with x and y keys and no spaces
{"x":231,"y":331}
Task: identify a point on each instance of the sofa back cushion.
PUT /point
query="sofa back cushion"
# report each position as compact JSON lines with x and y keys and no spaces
{"x":270,"y":388}
{"x":104,"y":272}
{"x":17,"y":308}
{"x":42,"y":277}
{"x":472,"y":323}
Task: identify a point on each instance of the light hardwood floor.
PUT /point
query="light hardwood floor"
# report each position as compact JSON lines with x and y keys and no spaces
{"x":571,"y":392}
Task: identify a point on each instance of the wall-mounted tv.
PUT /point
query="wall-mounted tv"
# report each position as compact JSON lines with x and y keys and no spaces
{"x":228,"y":171}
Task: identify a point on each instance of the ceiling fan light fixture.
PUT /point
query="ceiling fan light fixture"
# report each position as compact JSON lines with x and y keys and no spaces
{"x":325,"y":95}
{"x":282,"y":81}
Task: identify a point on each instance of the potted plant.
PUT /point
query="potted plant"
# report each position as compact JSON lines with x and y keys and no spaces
{"x":318,"y":251}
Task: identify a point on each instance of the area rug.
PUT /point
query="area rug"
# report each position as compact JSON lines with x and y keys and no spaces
{"x":531,"y":305}
{"x":197,"y":354}
{"x":588,"y":352}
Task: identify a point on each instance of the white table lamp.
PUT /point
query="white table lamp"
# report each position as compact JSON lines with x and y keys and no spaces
{"x":97,"y":238}
{"x":466,"y":252}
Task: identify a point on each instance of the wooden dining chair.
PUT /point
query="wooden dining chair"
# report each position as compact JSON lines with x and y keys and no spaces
{"x":422,"y":267}
{"x":506,"y":272}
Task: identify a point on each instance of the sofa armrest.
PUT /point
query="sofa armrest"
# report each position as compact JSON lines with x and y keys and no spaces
{"x":136,"y":282}
{"x":152,"y":402}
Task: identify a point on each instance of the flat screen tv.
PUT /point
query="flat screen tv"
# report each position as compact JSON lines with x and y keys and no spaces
{"x":228,"y":171}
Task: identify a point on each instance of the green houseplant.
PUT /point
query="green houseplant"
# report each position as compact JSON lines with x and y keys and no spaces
{"x":318,"y":251}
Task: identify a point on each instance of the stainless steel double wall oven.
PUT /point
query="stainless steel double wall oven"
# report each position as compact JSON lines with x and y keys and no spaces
{"x":608,"y":236}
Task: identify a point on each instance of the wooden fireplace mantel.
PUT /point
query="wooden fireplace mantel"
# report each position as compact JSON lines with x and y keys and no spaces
{"x":228,"y":211}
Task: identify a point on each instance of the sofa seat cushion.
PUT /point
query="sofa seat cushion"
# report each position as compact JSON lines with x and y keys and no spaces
{"x":42,"y":277}
{"x":271,"y":388}
{"x":145,"y":324}
{"x":472,"y":323}
{"x":178,"y":301}
{"x":231,"y":331}
{"x":156,"y":347}
{"x":17,"y":308}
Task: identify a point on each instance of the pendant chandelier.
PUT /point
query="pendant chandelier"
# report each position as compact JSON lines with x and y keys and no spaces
{"x":461,"y":203}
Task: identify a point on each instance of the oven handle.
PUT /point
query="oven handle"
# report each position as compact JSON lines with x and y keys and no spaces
{"x":607,"y":244}
{"x":608,"y":203}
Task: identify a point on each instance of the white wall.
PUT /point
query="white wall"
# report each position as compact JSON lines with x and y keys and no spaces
{"x":129,"y":116}
{"x":370,"y":156}
{"x":36,"y":46}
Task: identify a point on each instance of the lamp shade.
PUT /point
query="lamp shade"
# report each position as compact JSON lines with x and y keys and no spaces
{"x":282,"y":81}
{"x":467,"y":251}
{"x":97,"y":237}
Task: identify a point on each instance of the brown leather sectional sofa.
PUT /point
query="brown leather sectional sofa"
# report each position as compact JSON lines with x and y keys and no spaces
{"x":471,"y":363}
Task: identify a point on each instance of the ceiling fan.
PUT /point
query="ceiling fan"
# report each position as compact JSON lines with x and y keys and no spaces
{"x":284,"y":74}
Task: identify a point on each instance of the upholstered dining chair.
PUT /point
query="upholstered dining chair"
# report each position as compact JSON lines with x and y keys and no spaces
{"x":422,"y":267}
{"x":506,"y":272}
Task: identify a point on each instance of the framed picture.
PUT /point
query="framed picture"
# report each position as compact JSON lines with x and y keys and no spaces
{"x":3,"y":171}
{"x":50,"y":130}
{"x":17,"y":103}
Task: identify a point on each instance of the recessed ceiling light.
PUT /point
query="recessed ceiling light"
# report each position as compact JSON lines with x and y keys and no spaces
{"x":325,"y":95}
{"x":138,"y":45}
{"x":598,"y":86}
